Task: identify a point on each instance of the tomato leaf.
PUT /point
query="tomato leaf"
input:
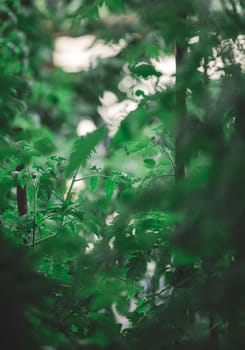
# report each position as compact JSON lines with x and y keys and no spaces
{"x":82,"y":149}
{"x":109,"y":188}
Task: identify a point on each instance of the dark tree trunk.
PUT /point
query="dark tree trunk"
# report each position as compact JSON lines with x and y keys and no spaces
{"x":181,"y":110}
{"x":21,"y":195}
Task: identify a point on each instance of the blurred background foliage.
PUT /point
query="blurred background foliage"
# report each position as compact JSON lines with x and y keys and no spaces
{"x":122,"y":174}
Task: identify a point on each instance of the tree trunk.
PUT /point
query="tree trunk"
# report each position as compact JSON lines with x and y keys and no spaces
{"x":21,"y":195}
{"x":181,"y":111}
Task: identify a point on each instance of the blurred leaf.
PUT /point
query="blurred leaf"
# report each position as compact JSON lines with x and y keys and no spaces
{"x":74,"y":328}
{"x":181,"y":258}
{"x":93,"y":182}
{"x":44,"y":142}
{"x":82,"y":150}
{"x":149,"y":163}
{"x":31,"y":194}
{"x":110,"y":187}
{"x":130,"y":126}
{"x":144,"y":70}
{"x":115,"y":5}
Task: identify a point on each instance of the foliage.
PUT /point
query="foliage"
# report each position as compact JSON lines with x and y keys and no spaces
{"x":138,"y":246}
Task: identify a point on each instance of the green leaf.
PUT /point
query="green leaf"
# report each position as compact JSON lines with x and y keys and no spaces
{"x":143,"y":307}
{"x":22,"y":177}
{"x":82,"y":150}
{"x":115,"y":5}
{"x":109,"y":188}
{"x":139,"y":93}
{"x":93,"y":182}
{"x":182,"y":258}
{"x":44,"y":142}
{"x":129,"y":128}
{"x":31,"y":193}
{"x":90,"y":12}
{"x":149,"y":163}
{"x":138,"y":145}
{"x":74,"y":328}
{"x":131,"y":291}
{"x":144,"y":70}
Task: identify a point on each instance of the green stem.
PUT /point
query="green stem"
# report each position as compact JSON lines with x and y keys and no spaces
{"x":90,"y":176}
{"x":35,"y":184}
{"x":71,"y":186}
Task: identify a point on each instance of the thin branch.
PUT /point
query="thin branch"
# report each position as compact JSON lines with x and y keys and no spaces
{"x":77,"y":305}
{"x":61,"y":226}
{"x":71,"y":186}
{"x":35,"y":184}
{"x":57,"y":197}
{"x":158,"y":294}
{"x":41,"y":240}
{"x":90,"y":176}
{"x":162,"y":175}
{"x":169,"y":158}
{"x":45,"y":218}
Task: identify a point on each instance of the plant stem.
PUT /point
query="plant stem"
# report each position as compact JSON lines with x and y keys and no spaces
{"x":71,"y":186}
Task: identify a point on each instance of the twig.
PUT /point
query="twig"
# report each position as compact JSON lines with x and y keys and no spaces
{"x":41,"y":240}
{"x":71,"y":186}
{"x":90,"y":176}
{"x":35,"y":184}
{"x":157,"y":294}
{"x":169,"y":158}
{"x":58,"y":197}
{"x":162,"y":175}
